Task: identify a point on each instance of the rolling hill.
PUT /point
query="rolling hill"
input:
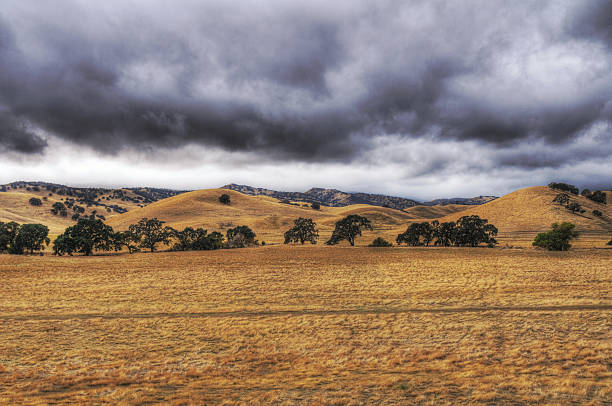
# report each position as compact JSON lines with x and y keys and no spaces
{"x":267,"y":216}
{"x":522,"y":214}
{"x":519,"y":216}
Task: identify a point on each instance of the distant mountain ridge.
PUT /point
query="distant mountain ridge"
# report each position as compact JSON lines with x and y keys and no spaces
{"x":461,"y":200}
{"x":337,"y":198}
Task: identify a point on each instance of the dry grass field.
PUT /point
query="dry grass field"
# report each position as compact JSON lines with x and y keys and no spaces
{"x":308,"y":325}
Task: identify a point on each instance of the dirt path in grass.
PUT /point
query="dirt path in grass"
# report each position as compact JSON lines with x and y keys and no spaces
{"x":306,"y":312}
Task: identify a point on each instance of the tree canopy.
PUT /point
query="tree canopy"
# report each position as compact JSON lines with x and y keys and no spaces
{"x":303,"y":230}
{"x":349,"y":228}
{"x":29,"y":238}
{"x":197,"y":239}
{"x":150,"y":232}
{"x":84,"y":237}
{"x":469,"y":231}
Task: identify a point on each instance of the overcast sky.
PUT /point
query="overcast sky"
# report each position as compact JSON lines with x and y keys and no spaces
{"x":421,"y":99}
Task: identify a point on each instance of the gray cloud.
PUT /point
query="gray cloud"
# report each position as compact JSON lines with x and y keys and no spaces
{"x":313,"y":83}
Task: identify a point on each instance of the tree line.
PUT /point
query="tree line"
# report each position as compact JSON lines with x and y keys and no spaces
{"x":89,"y":235}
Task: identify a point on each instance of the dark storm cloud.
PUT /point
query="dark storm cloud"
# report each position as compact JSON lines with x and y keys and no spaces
{"x":307,"y":82}
{"x":594,"y":21}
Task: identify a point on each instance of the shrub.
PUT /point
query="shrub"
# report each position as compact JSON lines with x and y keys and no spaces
{"x":597,"y":213}
{"x":224,"y":198}
{"x":557,"y":239}
{"x":59,"y":208}
{"x":240,"y":237}
{"x":34,"y":201}
{"x":575,"y":207}
{"x":315,"y":205}
{"x":380,"y":242}
{"x":562,"y":199}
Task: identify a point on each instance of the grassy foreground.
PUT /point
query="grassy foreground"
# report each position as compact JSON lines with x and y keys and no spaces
{"x":316,"y":325}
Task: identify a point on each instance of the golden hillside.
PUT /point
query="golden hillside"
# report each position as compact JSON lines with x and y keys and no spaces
{"x":268,"y":217}
{"x":16,"y":207}
{"x":434,"y":212}
{"x":520,"y":215}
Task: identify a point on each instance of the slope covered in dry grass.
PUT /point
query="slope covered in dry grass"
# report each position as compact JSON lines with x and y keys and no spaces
{"x":520,"y":215}
{"x":15,"y":206}
{"x":314,"y":325}
{"x":268,"y":217}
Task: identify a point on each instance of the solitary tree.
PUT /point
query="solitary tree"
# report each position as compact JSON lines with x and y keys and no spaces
{"x":315,"y":205}
{"x":224,"y":198}
{"x":348,"y":228}
{"x":303,"y":230}
{"x":151,"y":232}
{"x":29,"y":238}
{"x":557,"y":239}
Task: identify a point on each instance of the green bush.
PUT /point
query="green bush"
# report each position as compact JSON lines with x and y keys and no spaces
{"x":557,"y":239}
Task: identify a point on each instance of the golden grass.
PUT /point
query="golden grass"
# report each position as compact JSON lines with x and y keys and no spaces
{"x":15,"y":206}
{"x":308,"y":325}
{"x":519,"y":216}
{"x":522,"y":214}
